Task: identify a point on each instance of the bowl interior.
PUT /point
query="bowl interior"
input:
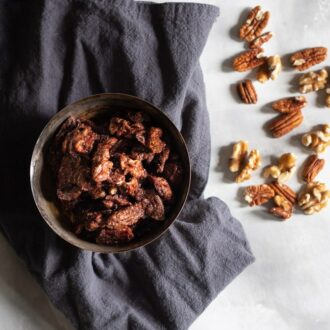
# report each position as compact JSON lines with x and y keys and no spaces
{"x":98,"y":107}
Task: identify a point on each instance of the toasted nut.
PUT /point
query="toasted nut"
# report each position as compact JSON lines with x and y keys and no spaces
{"x":289,"y":104}
{"x":287,"y":162}
{"x":281,"y":213}
{"x":272,"y":171}
{"x":314,"y":197}
{"x":285,"y":123}
{"x":284,"y":170}
{"x":259,"y":194}
{"x":254,"y":25}
{"x":263,"y":73}
{"x":317,"y":140}
{"x":253,"y":162}
{"x":312,"y":168}
{"x":313,"y":81}
{"x":259,"y":41}
{"x":284,"y":190}
{"x":249,"y":60}
{"x":238,"y":156}
{"x":247,"y":92}
{"x":304,"y":59}
{"x":270,"y":69}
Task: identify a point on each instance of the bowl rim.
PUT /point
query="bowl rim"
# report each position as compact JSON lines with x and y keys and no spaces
{"x":81,"y":243}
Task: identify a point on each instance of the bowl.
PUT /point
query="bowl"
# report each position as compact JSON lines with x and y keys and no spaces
{"x":43,"y":184}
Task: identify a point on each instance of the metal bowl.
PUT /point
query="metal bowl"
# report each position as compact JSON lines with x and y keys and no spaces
{"x":43,"y":185}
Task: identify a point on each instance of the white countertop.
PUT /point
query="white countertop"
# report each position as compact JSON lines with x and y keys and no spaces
{"x":288,"y":287}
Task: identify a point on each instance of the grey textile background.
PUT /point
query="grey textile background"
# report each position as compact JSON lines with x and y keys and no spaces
{"x":54,"y":52}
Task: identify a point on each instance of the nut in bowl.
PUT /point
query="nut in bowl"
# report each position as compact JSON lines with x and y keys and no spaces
{"x":110,"y":173}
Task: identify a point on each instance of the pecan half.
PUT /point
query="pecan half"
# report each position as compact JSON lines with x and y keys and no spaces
{"x":285,"y":123}
{"x":312,"y":168}
{"x":289,"y":104}
{"x":127,"y":216}
{"x":306,"y":58}
{"x":247,"y":92}
{"x":249,"y":60}
{"x":284,"y":191}
{"x":281,"y":213}
{"x":259,"y":41}
{"x":254,"y":25}
{"x":258,"y":194}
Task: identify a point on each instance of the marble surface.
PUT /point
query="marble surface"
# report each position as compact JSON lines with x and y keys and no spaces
{"x":288,"y":287}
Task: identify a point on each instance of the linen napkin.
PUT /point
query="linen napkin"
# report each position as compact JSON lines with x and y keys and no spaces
{"x":53,"y":52}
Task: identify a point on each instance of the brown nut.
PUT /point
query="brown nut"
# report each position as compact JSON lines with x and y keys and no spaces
{"x":285,"y":123}
{"x":258,"y":194}
{"x":306,"y":58}
{"x":259,"y":41}
{"x":312,"y":168}
{"x":253,"y":162}
{"x":289,"y":104}
{"x":317,"y":140}
{"x":284,"y":191}
{"x":313,"y":81}
{"x":327,"y":98}
{"x":247,"y":92}
{"x":249,"y":60}
{"x":254,"y":25}
{"x":240,"y":150}
{"x":281,"y":213}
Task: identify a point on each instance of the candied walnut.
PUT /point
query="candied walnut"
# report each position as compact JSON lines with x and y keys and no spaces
{"x":236,"y":161}
{"x":253,"y":163}
{"x":284,"y":170}
{"x":270,"y":69}
{"x":131,"y":187}
{"x":259,"y":41}
{"x":142,"y":154}
{"x":312,"y":168}
{"x":111,"y":201}
{"x":254,"y":25}
{"x":247,"y":92}
{"x":285,"y":123}
{"x":132,"y":167}
{"x":101,"y":165}
{"x":162,"y":187}
{"x":259,"y":194}
{"x":161,"y":159}
{"x":153,"y":205}
{"x":306,"y":58}
{"x":289,"y":104}
{"x":313,"y":81}
{"x":93,"y":221}
{"x":80,"y":140}
{"x":115,"y":234}
{"x":283,"y":190}
{"x":116,"y":178}
{"x":314,"y":197}
{"x":136,"y":116}
{"x":128,"y":215}
{"x":154,"y":141}
{"x":249,"y":60}
{"x":173,"y":173}
{"x":317,"y":140}
{"x":123,"y":128}
{"x":97,"y":192}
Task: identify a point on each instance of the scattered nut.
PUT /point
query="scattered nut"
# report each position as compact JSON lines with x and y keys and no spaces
{"x":238,"y":156}
{"x":249,"y":60}
{"x":253,"y":162}
{"x":327,"y":98}
{"x":284,"y":170}
{"x":247,"y":92}
{"x":281,"y":213}
{"x":259,"y":194}
{"x":314,"y":197}
{"x":317,"y":140}
{"x":312,"y":168}
{"x":285,"y":123}
{"x":289,"y":104}
{"x":259,"y":41}
{"x":284,"y":191}
{"x":304,"y":59}
{"x":313,"y":81}
{"x":272,"y":171}
{"x":254,"y":25}
{"x":270,"y":69}
{"x":283,"y":203}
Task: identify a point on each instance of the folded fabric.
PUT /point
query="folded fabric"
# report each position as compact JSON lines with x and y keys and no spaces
{"x":54,"y":52}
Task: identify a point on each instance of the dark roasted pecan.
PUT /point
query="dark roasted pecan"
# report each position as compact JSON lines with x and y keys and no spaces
{"x":113,"y":201}
{"x":173,"y":172}
{"x":153,"y":205}
{"x":132,"y":167}
{"x":128,"y":215}
{"x":93,"y":221}
{"x":123,"y":128}
{"x":162,"y":187}
{"x":154,"y":141}
{"x":115,"y":234}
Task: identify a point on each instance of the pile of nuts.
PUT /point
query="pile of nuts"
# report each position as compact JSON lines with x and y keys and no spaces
{"x":280,"y":198}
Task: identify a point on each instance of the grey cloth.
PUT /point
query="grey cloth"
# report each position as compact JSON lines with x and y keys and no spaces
{"x":55,"y":52}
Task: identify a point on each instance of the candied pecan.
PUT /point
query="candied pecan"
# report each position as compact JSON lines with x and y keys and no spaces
{"x":141,"y":153}
{"x":101,"y":164}
{"x":247,"y":92}
{"x":254,"y":25}
{"x":154,"y":141}
{"x":136,"y":116}
{"x":284,"y":191}
{"x":285,"y":123}
{"x":115,"y":234}
{"x":173,"y":172}
{"x":259,"y":41}
{"x":131,"y":166}
{"x":289,"y":104}
{"x":128,"y":215}
{"x":93,"y":221}
{"x":312,"y":168}
{"x":123,"y":128}
{"x":97,"y":192}
{"x":111,"y":201}
{"x":306,"y":58}
{"x":258,"y":194}
{"x":116,"y":177}
{"x":153,"y":205}
{"x":249,"y":60}
{"x":80,"y":140}
{"x":131,"y":187}
{"x":161,"y":159}
{"x":162,"y":187}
